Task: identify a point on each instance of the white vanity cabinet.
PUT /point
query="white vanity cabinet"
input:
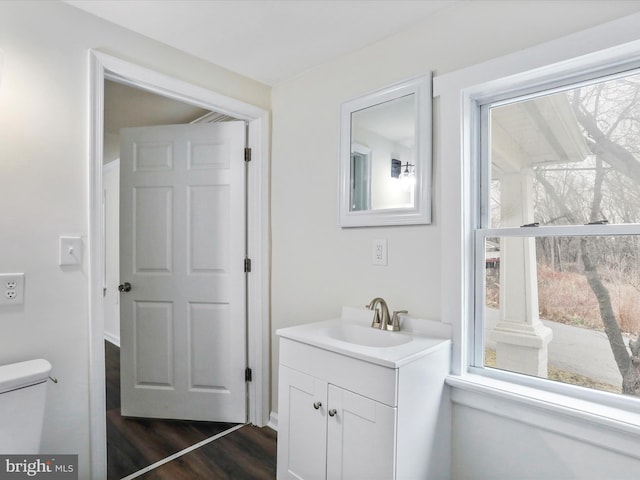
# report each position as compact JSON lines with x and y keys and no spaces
{"x":332,"y":432}
{"x":343,"y":417}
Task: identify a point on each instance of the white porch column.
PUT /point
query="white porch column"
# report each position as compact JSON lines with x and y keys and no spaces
{"x":521,"y":339}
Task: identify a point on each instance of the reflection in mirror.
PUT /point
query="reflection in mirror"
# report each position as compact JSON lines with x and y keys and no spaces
{"x":385,"y":156}
{"x":360,"y":178}
{"x":387,"y":131}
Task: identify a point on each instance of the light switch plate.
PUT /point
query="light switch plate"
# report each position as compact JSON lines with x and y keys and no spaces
{"x":70,"y":251}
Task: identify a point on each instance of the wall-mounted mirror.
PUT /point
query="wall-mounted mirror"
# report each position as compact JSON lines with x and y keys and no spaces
{"x":385,"y":156}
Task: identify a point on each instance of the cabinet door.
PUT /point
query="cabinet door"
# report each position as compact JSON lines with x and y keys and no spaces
{"x":302,"y":426}
{"x":361,"y":437}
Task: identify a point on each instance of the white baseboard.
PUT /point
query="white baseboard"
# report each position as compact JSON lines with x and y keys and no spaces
{"x":273,"y":421}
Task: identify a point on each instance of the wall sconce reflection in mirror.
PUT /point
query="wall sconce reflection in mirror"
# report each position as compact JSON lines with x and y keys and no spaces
{"x":408,"y":177}
{"x":396,"y":168}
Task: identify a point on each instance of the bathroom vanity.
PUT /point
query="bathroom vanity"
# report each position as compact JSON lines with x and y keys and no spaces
{"x":361,"y":403}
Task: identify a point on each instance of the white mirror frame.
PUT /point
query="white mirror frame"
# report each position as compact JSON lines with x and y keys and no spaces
{"x":420,"y":213}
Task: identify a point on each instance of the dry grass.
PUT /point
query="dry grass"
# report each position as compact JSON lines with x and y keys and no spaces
{"x":561,"y":375}
{"x":565,"y":297}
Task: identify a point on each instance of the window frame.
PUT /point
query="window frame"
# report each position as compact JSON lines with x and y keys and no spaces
{"x":504,"y":92}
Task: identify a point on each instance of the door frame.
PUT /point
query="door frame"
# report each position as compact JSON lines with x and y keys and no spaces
{"x":106,"y":67}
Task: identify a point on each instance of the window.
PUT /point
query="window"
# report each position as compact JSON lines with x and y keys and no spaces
{"x":557,"y":237}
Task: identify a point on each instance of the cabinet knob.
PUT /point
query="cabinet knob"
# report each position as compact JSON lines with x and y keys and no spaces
{"x":317,"y":405}
{"x":333,"y":412}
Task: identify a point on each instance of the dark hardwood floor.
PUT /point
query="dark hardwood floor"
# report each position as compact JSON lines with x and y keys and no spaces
{"x":135,"y":443}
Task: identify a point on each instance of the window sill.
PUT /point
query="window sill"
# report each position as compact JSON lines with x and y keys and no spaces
{"x":590,"y":422}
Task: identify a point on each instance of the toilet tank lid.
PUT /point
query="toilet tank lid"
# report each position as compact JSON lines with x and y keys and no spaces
{"x":23,"y":374}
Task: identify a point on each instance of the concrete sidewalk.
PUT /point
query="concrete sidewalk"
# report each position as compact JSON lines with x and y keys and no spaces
{"x":583,"y":351}
{"x":577,"y":350}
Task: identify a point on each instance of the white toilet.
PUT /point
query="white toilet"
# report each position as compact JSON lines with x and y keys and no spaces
{"x":23,"y":389}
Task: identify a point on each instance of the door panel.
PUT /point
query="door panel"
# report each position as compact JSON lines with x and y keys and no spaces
{"x":208,"y":367}
{"x":153,"y":327}
{"x":360,"y":437}
{"x":182,"y":241}
{"x":152,"y":229}
{"x":209,"y":211}
{"x":306,"y":426}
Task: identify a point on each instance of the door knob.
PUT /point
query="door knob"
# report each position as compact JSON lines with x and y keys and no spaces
{"x":333,"y":412}
{"x":125,"y":287}
{"x":317,"y":405}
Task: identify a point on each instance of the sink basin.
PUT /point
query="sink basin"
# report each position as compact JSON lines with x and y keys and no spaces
{"x":367,"y":336}
{"x":352,"y":335}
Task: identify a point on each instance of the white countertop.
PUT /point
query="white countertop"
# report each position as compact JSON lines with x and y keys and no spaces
{"x":414,"y":344}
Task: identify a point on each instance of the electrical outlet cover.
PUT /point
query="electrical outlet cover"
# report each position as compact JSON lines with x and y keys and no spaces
{"x":11,"y":289}
{"x":379,"y":252}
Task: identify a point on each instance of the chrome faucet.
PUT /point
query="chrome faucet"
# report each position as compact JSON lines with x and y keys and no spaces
{"x":381,"y":318}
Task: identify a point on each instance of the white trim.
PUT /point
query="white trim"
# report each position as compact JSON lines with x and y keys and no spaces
{"x":165,"y":85}
{"x":97,"y":401}
{"x":107,"y":167}
{"x":106,"y":66}
{"x":615,"y":229}
{"x":589,"y":422}
{"x":615,"y":41}
{"x":365,"y":151}
{"x":420,"y":213}
{"x":606,"y":43}
{"x":273,"y":421}
{"x":614,"y":61}
{"x":259,"y":250}
{"x":113,"y":338}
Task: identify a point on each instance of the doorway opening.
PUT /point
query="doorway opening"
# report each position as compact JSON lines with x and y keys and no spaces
{"x":131,"y":111}
{"x":106,"y":68}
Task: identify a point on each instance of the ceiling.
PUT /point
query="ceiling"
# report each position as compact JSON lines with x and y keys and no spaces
{"x":266,"y":40}
{"x":126,"y":106}
{"x":394,"y":120}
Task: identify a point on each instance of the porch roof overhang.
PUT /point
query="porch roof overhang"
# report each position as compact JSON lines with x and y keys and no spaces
{"x":534,"y":133}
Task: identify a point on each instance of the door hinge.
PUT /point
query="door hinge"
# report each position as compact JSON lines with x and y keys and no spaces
{"x":248,"y":374}
{"x":247,"y":154}
{"x":247,"y":265}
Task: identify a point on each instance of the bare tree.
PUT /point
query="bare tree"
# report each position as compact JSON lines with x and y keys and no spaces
{"x":609,"y":115}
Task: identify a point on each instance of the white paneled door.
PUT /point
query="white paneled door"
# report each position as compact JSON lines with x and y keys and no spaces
{"x":182,"y":250}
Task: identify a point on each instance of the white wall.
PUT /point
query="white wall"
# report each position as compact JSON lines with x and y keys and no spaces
{"x":317,"y":266}
{"x":44,"y":131}
{"x":492,"y":447}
